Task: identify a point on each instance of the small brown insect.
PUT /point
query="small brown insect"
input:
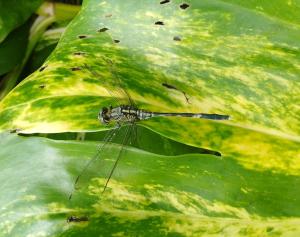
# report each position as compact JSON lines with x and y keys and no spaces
{"x":82,"y":36}
{"x":77,"y":219}
{"x":117,"y":41}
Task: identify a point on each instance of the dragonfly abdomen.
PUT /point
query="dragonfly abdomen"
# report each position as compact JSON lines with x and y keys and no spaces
{"x":127,"y":113}
{"x":133,"y":114}
{"x":146,"y":115}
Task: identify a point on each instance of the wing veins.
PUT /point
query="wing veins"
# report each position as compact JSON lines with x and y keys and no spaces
{"x":118,"y":157}
{"x":107,"y":139}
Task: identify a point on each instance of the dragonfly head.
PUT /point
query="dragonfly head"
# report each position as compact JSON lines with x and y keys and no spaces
{"x":104,"y":115}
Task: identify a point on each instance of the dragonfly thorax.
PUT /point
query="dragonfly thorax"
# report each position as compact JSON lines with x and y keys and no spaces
{"x":123,"y":113}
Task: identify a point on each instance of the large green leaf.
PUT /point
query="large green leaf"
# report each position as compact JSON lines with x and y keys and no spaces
{"x":230,"y":60}
{"x":235,"y":57}
{"x":149,"y":195}
{"x":252,"y":149}
{"x":14,"y":13}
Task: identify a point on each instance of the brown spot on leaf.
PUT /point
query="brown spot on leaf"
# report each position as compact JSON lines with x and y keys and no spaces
{"x":184,"y":6}
{"x":161,"y":23}
{"x":42,"y":68}
{"x":75,"y":69}
{"x":79,"y":53}
{"x":165,"y":1}
{"x":103,"y":29}
{"x":177,"y":38}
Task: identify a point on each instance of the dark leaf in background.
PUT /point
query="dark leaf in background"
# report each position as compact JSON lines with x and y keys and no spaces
{"x":14,"y":13}
{"x":13,"y":48}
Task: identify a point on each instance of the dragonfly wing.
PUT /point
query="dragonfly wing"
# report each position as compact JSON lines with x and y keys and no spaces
{"x":128,"y":131}
{"x":82,"y":180}
{"x":114,"y":93}
{"x":118,"y":82}
{"x":115,"y":88}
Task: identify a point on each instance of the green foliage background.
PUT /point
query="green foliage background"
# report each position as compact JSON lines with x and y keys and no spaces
{"x":235,"y":57}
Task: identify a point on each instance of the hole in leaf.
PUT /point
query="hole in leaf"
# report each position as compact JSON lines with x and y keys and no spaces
{"x":165,"y":1}
{"x":184,"y":6}
{"x":177,"y":38}
{"x":159,"y":23}
{"x":82,"y":36}
{"x":103,"y":29}
{"x":42,"y":68}
{"x":117,"y":41}
{"x":75,"y":69}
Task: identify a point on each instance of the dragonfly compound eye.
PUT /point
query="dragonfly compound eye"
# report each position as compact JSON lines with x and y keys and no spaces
{"x":104,"y":115}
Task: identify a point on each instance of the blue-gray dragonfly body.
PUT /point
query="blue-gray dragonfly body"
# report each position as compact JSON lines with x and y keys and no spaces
{"x":126,"y":115}
{"x":131,"y":114}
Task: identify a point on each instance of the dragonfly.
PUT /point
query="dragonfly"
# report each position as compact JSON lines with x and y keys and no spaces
{"x":126,"y":115}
